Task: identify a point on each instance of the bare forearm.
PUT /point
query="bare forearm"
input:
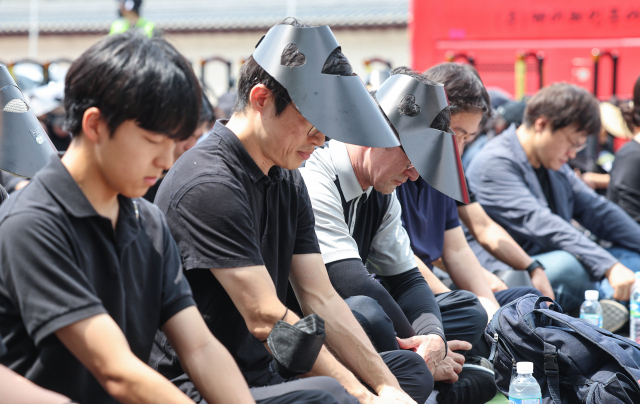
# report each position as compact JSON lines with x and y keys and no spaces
{"x":347,"y":339}
{"x":501,"y":245}
{"x":221,"y":383}
{"x":466,"y":272}
{"x":139,"y":384}
{"x":434,"y":283}
{"x":16,"y":389}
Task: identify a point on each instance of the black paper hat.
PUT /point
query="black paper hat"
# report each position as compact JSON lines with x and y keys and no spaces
{"x":24,"y":146}
{"x":434,"y":153}
{"x":338,"y":106}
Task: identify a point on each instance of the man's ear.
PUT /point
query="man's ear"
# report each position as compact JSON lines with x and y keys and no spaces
{"x":540,"y":124}
{"x":93,"y":126}
{"x":260,"y":97}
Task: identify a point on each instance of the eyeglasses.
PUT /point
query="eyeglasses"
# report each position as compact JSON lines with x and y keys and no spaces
{"x":576,"y":147}
{"x":313,"y":131}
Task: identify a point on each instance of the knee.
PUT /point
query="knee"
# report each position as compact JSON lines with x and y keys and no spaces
{"x":563,"y":264}
{"x":309,"y":397}
{"x":475,"y":316}
{"x":412,"y":373}
{"x":374,"y":321}
{"x":329,"y":390}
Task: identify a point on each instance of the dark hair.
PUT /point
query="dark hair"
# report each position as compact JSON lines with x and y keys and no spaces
{"x":465,"y":90}
{"x":631,"y":112}
{"x":564,"y":104}
{"x":131,"y":77}
{"x":251,"y":73}
{"x":207,"y":113}
{"x":407,"y":105}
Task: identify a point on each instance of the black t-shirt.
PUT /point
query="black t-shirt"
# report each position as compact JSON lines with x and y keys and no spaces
{"x":3,"y":194}
{"x":225,"y":213}
{"x":3,"y":349}
{"x":545,"y":183}
{"x":61,"y":262}
{"x":624,"y":186}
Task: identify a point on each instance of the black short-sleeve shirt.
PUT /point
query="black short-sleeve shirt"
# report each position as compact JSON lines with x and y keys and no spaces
{"x":61,"y":262}
{"x":225,"y":213}
{"x":3,"y":349}
{"x":624,"y":187}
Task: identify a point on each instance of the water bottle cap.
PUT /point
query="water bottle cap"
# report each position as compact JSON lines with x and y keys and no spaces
{"x":591,"y":295}
{"x":524,"y":367}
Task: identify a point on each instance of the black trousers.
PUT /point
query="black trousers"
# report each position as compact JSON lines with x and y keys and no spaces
{"x":408,"y":367}
{"x":463,"y":318}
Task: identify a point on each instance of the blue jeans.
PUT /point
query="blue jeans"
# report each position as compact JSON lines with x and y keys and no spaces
{"x":569,"y":279}
{"x":629,"y":259}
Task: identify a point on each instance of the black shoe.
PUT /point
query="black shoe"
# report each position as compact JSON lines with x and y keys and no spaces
{"x":478,"y":361}
{"x":475,"y":385}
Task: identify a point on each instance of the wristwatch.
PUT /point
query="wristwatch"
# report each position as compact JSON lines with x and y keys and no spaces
{"x":535,"y":264}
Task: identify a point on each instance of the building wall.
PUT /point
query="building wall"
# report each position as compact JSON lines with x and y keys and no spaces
{"x":358,"y":45}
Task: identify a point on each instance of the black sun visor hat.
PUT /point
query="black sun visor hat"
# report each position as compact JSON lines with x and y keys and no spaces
{"x":434,"y":153}
{"x":338,"y":106}
{"x":24,"y":146}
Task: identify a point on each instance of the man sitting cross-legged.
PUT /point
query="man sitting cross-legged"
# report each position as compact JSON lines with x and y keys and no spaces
{"x":88,"y":270}
{"x":241,"y":216}
{"x":357,"y":218}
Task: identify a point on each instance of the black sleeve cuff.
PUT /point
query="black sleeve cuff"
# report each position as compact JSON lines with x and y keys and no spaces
{"x":428,"y":324}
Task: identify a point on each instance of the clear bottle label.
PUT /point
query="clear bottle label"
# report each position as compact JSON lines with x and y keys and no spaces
{"x":524,"y":400}
{"x":594,"y":319}
{"x":634,"y":308}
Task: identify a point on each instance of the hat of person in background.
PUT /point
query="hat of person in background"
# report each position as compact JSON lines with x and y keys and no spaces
{"x":613,"y":122}
{"x":498,"y":96}
{"x":338,"y":106}
{"x":512,"y":112}
{"x":376,"y":78}
{"x":24,"y":146}
{"x":45,"y":99}
{"x":433,"y":152}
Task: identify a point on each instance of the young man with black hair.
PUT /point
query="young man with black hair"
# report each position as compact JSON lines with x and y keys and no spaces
{"x":358,"y":223}
{"x":523,"y":182}
{"x":240,"y":213}
{"x":88,"y":270}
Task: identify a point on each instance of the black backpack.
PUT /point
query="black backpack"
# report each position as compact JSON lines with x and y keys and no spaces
{"x":574,"y":361}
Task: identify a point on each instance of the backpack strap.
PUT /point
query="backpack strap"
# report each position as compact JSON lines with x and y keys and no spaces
{"x":551,"y":370}
{"x":553,"y":306}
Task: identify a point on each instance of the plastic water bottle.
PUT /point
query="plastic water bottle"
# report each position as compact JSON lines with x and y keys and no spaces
{"x":591,"y":311}
{"x":524,"y":389}
{"x":634,"y":311}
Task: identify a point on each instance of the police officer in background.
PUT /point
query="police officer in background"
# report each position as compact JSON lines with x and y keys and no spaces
{"x":130,"y":12}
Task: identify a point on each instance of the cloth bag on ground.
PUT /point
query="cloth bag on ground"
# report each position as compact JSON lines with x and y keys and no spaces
{"x":574,"y":361}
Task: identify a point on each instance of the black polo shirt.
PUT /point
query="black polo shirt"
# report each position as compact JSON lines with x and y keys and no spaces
{"x":61,"y":262}
{"x":3,"y":349}
{"x":225,"y":213}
